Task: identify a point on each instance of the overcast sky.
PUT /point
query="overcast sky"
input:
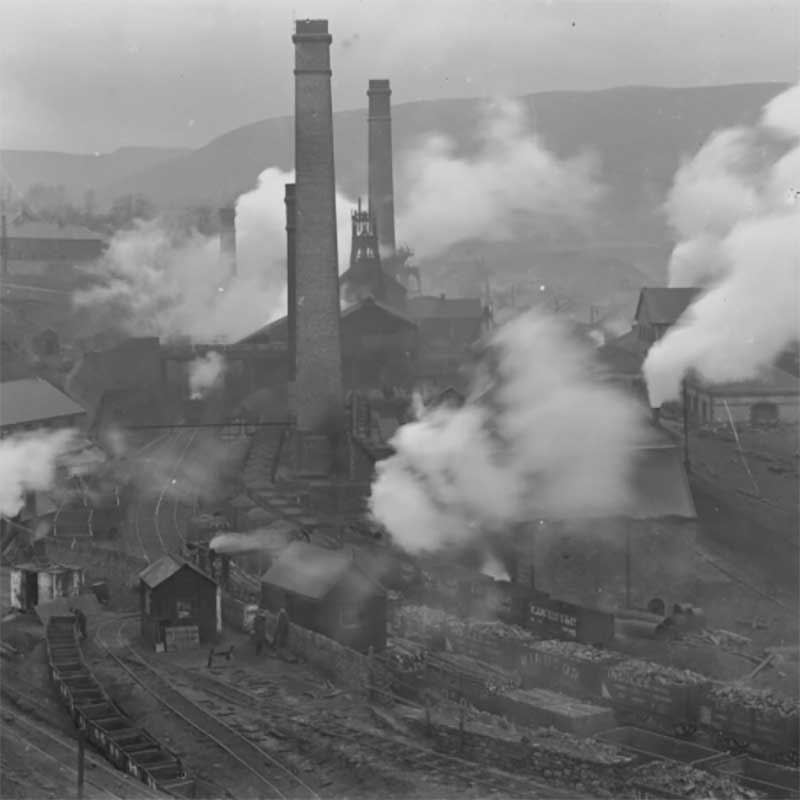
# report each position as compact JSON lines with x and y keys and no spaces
{"x":94,"y":75}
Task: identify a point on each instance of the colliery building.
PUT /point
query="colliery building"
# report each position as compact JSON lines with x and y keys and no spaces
{"x":180,"y":604}
{"x":328,"y":592}
{"x":40,"y":248}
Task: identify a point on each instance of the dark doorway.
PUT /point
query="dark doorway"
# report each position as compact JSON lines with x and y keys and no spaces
{"x":31,"y":589}
{"x":763,"y":413}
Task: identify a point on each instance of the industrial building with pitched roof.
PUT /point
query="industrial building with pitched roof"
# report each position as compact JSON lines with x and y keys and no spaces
{"x":329,"y":592}
{"x":31,"y":403}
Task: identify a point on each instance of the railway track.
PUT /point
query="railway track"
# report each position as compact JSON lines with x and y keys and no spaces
{"x":384,"y":747}
{"x":264,"y":766}
{"x":63,"y":752}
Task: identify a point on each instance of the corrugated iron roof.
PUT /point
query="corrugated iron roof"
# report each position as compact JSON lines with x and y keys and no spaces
{"x":660,"y":486}
{"x":770,"y":380}
{"x":308,"y":570}
{"x":664,"y":306}
{"x":37,"y":229}
{"x":428,"y":307}
{"x":165,"y":568}
{"x":34,"y":400}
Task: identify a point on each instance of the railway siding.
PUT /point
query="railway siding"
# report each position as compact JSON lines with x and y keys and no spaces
{"x":127,"y":747}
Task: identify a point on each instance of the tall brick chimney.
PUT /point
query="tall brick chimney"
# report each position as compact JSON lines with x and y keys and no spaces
{"x":291,"y":290}
{"x":380,"y":181}
{"x":319,"y":395}
{"x":227,"y":239}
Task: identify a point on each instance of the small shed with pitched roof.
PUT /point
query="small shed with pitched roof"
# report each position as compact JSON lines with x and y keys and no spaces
{"x":329,"y":592}
{"x":180,"y":604}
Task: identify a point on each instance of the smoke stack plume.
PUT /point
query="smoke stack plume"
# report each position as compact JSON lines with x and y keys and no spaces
{"x":380,"y":179}
{"x":319,"y":360}
{"x":205,"y":373}
{"x":227,"y":240}
{"x":291,"y":284}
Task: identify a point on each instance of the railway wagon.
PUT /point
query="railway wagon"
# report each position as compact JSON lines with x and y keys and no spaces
{"x":127,"y":747}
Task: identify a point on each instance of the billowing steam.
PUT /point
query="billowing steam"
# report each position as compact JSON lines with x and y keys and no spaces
{"x":205,"y":373}
{"x":739,"y":216}
{"x":512,"y":183}
{"x":538,"y":437}
{"x":159,"y":283}
{"x":274,"y":536}
{"x":494,"y":569}
{"x":28,"y":462}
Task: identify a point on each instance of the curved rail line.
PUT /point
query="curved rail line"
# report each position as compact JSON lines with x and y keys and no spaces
{"x":126,"y":746}
{"x":167,"y":485}
{"x":70,"y":745}
{"x":389,"y":748}
{"x":224,"y":736}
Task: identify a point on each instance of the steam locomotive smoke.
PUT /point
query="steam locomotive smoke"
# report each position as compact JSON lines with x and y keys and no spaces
{"x":271,"y":537}
{"x":28,"y":463}
{"x":154,"y":281}
{"x":739,"y":219}
{"x":538,"y":437}
{"x":512,"y":181}
{"x":205,"y":373}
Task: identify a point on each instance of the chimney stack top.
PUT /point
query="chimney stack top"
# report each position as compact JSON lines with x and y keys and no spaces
{"x":311,"y":29}
{"x":227,"y":214}
{"x":379,"y":85}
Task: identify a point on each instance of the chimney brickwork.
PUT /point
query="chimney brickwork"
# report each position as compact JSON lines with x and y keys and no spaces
{"x":318,"y":384}
{"x":227,"y":239}
{"x":291,"y":292}
{"x":380,"y":178}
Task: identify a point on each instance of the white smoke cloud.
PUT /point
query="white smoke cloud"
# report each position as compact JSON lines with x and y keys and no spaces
{"x":274,"y":536}
{"x":28,"y":462}
{"x":539,"y":437}
{"x":158,"y":283}
{"x":513,"y":182}
{"x":205,"y":373}
{"x":739,"y":217}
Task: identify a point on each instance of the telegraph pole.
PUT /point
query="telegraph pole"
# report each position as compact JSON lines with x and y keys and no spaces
{"x":685,"y":403}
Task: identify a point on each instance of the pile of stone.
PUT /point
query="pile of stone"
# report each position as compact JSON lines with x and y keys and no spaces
{"x":681,"y":780}
{"x":761,"y":701}
{"x":648,"y":674}
{"x":577,"y":652}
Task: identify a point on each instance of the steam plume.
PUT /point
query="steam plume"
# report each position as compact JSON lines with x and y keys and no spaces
{"x":205,"y":373}
{"x":272,"y":537}
{"x":513,"y":181}
{"x":157,"y":282}
{"x":739,"y":219}
{"x":538,"y":437}
{"x":28,"y":463}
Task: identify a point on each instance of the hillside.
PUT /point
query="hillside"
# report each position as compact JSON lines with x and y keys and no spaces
{"x":639,"y":134}
{"x":78,"y":173}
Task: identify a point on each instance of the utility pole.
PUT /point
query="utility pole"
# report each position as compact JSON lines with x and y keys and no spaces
{"x":3,"y":237}
{"x":81,"y":760}
{"x":685,"y":403}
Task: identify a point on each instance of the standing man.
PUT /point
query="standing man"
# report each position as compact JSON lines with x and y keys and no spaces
{"x":281,"y":630}
{"x":80,"y":621}
{"x":260,"y":631}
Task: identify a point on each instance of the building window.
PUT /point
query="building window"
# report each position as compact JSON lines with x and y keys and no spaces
{"x":184,"y":608}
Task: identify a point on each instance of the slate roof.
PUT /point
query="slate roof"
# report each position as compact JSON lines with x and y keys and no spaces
{"x":660,"y":486}
{"x":278,"y":330}
{"x":165,"y":568}
{"x":624,"y":354}
{"x":770,"y":381}
{"x":664,"y":306}
{"x":428,"y":307}
{"x":310,"y":571}
{"x":34,"y":400}
{"x":37,"y":229}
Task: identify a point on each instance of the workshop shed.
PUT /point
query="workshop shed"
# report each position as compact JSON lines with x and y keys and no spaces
{"x":180,"y":605}
{"x":329,"y":592}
